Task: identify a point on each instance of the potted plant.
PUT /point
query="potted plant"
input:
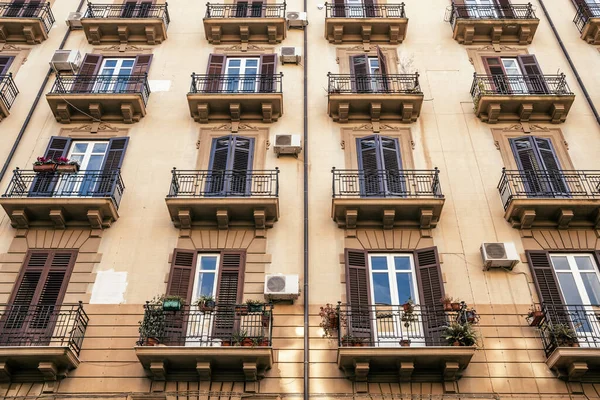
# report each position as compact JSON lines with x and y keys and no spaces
{"x":172,"y":303}
{"x":260,"y":341}
{"x":152,"y":326}
{"x":241,"y":309}
{"x":409,"y":306}
{"x":225,"y":343}
{"x":456,"y":303}
{"x":407,"y":317}
{"x":472,"y":316}
{"x":43,"y":164}
{"x":535,"y":316}
{"x":255,"y":305}
{"x":447,"y":302}
{"x":205,"y":303}
{"x":239,"y":338}
{"x":266,"y":318}
{"x":64,"y":165}
{"x":563,"y":335}
{"x":460,"y":334}
{"x":405,"y":342}
{"x":330,"y":319}
{"x":347,"y":340}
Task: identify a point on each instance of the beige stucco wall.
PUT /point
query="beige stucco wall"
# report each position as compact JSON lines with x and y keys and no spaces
{"x":447,"y":135}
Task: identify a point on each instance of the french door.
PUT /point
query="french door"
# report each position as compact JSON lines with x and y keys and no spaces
{"x":23,"y":8}
{"x":230,"y":166}
{"x":200,"y":324}
{"x":136,"y":9}
{"x":482,"y":8}
{"x":242,"y":75}
{"x":380,"y":167}
{"x":114,"y":75}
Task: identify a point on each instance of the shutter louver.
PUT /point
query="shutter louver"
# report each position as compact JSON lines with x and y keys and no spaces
{"x":241,"y":164}
{"x":359,"y":69}
{"x":544,"y":277}
{"x":431,"y":290}
{"x":505,"y":9}
{"x":391,"y":162}
{"x":535,"y":79}
{"x":180,"y":284}
{"x":57,"y":147}
{"x":140,"y":68}
{"x":369,"y":165}
{"x":216,"y":64}
{"x":112,"y":163}
{"x":89,"y":67}
{"x":43,"y":184}
{"x":268,"y":63}
{"x":229,"y":293}
{"x":358,"y":293}
{"x":339,"y":8}
{"x":461,"y":10}
{"x":383,"y":69}
{"x":583,"y":9}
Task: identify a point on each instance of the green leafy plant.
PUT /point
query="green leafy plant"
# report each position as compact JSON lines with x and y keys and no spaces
{"x":237,"y":338}
{"x":460,"y":334}
{"x":562,"y":335}
{"x":152,"y":326}
{"x":255,"y":305}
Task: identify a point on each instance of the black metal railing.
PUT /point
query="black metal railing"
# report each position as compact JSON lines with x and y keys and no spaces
{"x":225,"y":183}
{"x":41,"y":11}
{"x":524,"y":184}
{"x":102,"y":84}
{"x":569,"y":326}
{"x":555,"y":85}
{"x":245,"y":10}
{"x":129,"y":10}
{"x":215,"y":326}
{"x":386,"y":183}
{"x":392,"y":326}
{"x":364,"y":11}
{"x":584,"y":13}
{"x":375,"y":83}
{"x":8,"y":90}
{"x":456,"y":12}
{"x":86,"y":183}
{"x":225,"y":83}
{"x":43,"y":325}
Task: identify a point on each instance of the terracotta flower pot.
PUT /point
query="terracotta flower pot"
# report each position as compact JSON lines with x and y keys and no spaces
{"x":67,"y":168}
{"x":407,"y":307}
{"x":457,"y":343}
{"x":405,"y":342}
{"x":247,"y":342}
{"x":150,"y":341}
{"x":447,"y":306}
{"x":455,"y":306}
{"x":44,"y":168}
{"x":333,"y":320}
{"x":225,"y":343}
{"x":241,"y":310}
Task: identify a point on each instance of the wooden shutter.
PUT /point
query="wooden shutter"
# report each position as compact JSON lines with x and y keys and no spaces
{"x":216,"y":66}
{"x":268,"y":63}
{"x":390,"y":150}
{"x":547,"y":285}
{"x":241,"y":165}
{"x":44,"y":183}
{"x":359,"y":70}
{"x":230,"y":288}
{"x":142,"y":64}
{"x":113,"y":160}
{"x":89,"y":67}
{"x":534,"y":76}
{"x":533,"y":154}
{"x":383,"y":69}
{"x":495,"y":68}
{"x":583,"y":8}
{"x":339,"y":8}
{"x":5,"y":64}
{"x":370,"y":10}
{"x":58,"y":147}
{"x":370,"y":165}
{"x":431,"y":291}
{"x":506,"y":10}
{"x":32,"y":9}
{"x":358,"y":293}
{"x":181,"y":283}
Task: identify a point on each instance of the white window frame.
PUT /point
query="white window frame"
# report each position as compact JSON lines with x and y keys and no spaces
{"x":482,"y":12}
{"x":200,"y":325}
{"x":520,"y":85}
{"x":242,"y":86}
{"x":70,"y":184}
{"x":110,"y":84}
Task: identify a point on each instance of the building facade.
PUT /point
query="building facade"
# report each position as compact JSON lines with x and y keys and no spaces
{"x":360,"y":161}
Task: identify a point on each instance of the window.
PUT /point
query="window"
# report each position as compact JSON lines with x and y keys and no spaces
{"x":23,"y":8}
{"x":207,"y":270}
{"x":393,"y":278}
{"x":369,"y":74}
{"x":112,"y":74}
{"x":136,"y":9}
{"x":5,"y":64}
{"x":516,"y":75}
{"x":380,"y":166}
{"x":252,"y":9}
{"x":230,"y":164}
{"x":355,"y":8}
{"x":241,"y":74}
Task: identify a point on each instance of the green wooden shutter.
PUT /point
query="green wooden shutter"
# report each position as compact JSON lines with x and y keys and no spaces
{"x":431,"y":291}
{"x":358,"y":293}
{"x":544,"y":276}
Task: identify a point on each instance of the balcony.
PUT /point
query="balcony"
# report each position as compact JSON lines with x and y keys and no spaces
{"x":99,"y":97}
{"x":587,"y":21}
{"x":385,"y":343}
{"x":560,"y":199}
{"x":525,"y":98}
{"x":224,"y":198}
{"x":224,"y":343}
{"x":235,"y":98}
{"x":25,"y":22}
{"x":375,"y":23}
{"x":497,"y":24}
{"x":245,"y":23}
{"x":40,"y":342}
{"x":8,"y":94}
{"x":126,"y":23}
{"x":577,"y":358}
{"x":367,"y":198}
{"x":375,"y":98}
{"x":88,"y":198}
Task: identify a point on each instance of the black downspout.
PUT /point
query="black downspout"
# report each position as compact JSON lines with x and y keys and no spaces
{"x":306,"y":302}
{"x":566,"y":53}
{"x":33,"y":106}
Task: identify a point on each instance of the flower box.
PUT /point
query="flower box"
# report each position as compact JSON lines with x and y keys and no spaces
{"x":171,"y":305}
{"x":535,"y":318}
{"x":67,"y":168}
{"x":44,"y":167}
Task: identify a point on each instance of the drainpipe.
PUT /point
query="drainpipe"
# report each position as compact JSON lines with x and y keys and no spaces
{"x":306,"y":302}
{"x":33,"y":106}
{"x":568,"y":57}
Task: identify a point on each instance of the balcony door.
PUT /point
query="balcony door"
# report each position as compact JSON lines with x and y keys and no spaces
{"x":380,"y":167}
{"x":248,"y":9}
{"x":114,"y":75}
{"x":481,"y":8}
{"x":200,"y":324}
{"x":540,"y":172}
{"x":242,"y":74}
{"x":229,"y":167}
{"x":23,"y":8}
{"x":515,"y":75}
{"x":368,"y":74}
{"x":136,"y":9}
{"x":90,"y":155}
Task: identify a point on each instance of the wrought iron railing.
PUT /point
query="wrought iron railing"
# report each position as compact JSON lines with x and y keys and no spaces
{"x":569,"y":326}
{"x":584,"y":13}
{"x":386,"y":183}
{"x":41,"y":11}
{"x":215,"y":326}
{"x":352,"y":83}
{"x":43,"y":325}
{"x":245,"y":10}
{"x":102,"y":84}
{"x":555,"y":85}
{"x":523,"y":184}
{"x":86,"y":183}
{"x":392,"y":325}
{"x":8,"y":90}
{"x":225,"y":183}
{"x":456,"y":12}
{"x":211,"y":83}
{"x":129,"y":10}
{"x":364,"y":11}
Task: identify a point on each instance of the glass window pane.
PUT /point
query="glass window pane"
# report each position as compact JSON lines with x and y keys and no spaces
{"x":584,"y":263}
{"x":569,"y":288}
{"x":405,"y":287}
{"x":252,"y":62}
{"x":381,"y":288}
{"x":95,"y":163}
{"x":128,"y":63}
{"x":80,"y":147}
{"x":208,"y":263}
{"x":206,"y":284}
{"x":100,"y":148}
{"x":560,"y":263}
{"x":592,"y":287}
{"x":402,"y":263}
{"x":379,"y":263}
{"x":110,"y":63}
{"x":234,"y":62}
{"x":78,"y":158}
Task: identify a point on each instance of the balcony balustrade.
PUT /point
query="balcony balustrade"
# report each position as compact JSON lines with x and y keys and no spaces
{"x":587,"y":20}
{"x":8,"y":94}
{"x":22,"y":22}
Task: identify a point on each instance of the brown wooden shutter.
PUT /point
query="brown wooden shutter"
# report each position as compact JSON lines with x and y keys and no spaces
{"x":370,"y":10}
{"x":383,"y":69}
{"x":339,"y":8}
{"x":583,"y":8}
{"x":230,"y":288}
{"x":359,"y":73}
{"x":534,"y":80}
{"x":216,"y":68}
{"x":5,"y":64}
{"x":181,"y":283}
{"x":142,"y":64}
{"x":89,"y":67}
{"x":495,"y":68}
{"x":268,"y":65}
{"x":431,"y":291}
{"x":544,"y":276}
{"x":43,"y":184}
{"x":461,"y":9}
{"x":358,"y":293}
{"x":112,"y":162}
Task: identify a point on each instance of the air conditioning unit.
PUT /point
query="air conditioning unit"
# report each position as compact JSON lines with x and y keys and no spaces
{"x":287,"y":144}
{"x":290,"y":55}
{"x":281,"y":287}
{"x":499,"y":255}
{"x":74,"y":20}
{"x":296,"y":19}
{"x":66,"y":60}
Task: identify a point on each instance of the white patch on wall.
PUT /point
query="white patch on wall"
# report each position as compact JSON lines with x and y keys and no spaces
{"x":109,"y":287}
{"x":159,"y":85}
